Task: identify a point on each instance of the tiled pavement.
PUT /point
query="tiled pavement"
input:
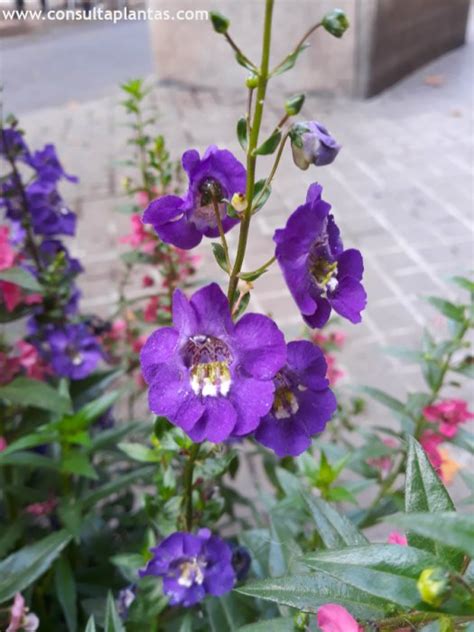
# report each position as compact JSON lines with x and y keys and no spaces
{"x":401,"y":190}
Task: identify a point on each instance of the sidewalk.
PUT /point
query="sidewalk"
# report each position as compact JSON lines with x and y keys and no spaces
{"x":401,"y":190}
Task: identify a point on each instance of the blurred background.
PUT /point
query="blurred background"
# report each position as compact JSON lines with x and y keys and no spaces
{"x":396,"y":92}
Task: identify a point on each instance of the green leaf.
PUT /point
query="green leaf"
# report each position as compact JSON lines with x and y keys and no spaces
{"x":335,"y":530}
{"x":219,"y":255}
{"x":289,"y":62}
{"x":65,"y":586}
{"x":28,"y":441}
{"x":120,"y":483}
{"x":271,"y":625}
{"x":390,"y":558}
{"x":269,"y":146}
{"x":139,"y":452}
{"x":78,"y":463}
{"x":22,"y":568}
{"x":294,"y":104}
{"x":385,"y":399}
{"x":446,"y":529}
{"x":466,"y":284}
{"x":425,"y":492}
{"x":309,"y":592}
{"x":259,"y":198}
{"x":21,"y":277}
{"x":28,"y":459}
{"x":94,"y":409}
{"x":26,"y":392}
{"x":242,"y":133}
{"x":451,"y":311}
{"x":90,"y":627}
{"x":229,"y":612}
{"x":113,"y":622}
{"x":243,"y":304}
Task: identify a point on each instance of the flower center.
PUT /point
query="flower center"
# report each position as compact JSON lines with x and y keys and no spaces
{"x":191,"y":572}
{"x":208,"y":359}
{"x":74,"y":355}
{"x":210,"y":194}
{"x":285,"y":404}
{"x":323,"y":273}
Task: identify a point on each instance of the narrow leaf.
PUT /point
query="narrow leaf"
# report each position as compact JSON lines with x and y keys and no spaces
{"x":336,"y":531}
{"x":242,"y":133}
{"x":65,"y":585}
{"x":219,"y":255}
{"x":113,"y":622}
{"x":26,"y":392}
{"x":21,"y":277}
{"x":269,"y":146}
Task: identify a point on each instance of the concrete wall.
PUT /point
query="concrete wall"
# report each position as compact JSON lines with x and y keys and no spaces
{"x":387,"y":39}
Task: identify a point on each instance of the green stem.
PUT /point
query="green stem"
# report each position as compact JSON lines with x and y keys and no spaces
{"x":261,"y":269}
{"x":273,"y":170}
{"x":220,"y":227}
{"x":263,"y":76}
{"x":299,"y":45}
{"x":188,"y":486}
{"x":415,"y":619}
{"x":238,"y":52}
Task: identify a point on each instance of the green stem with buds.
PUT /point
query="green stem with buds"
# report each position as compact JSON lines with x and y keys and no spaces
{"x":188,"y":486}
{"x":262,"y":77}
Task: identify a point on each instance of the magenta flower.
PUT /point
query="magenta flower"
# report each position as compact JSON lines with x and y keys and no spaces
{"x":449,"y":414}
{"x":192,"y":566}
{"x":320,"y":274}
{"x":302,"y":404}
{"x":183,"y":222}
{"x":397,"y":538}
{"x":335,"y":618}
{"x":7,"y":254}
{"x":209,"y":375}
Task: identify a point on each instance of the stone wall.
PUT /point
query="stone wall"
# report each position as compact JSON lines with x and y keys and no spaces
{"x":387,"y":39}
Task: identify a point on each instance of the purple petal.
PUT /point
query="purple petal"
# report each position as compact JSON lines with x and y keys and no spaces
{"x":315,"y":409}
{"x":285,"y":437}
{"x":180,"y":233}
{"x":262,"y":346}
{"x":349,"y":299}
{"x":166,"y":391}
{"x":159,"y":347}
{"x":212,"y":310}
{"x":190,"y":160}
{"x":308,"y":362}
{"x":217,"y":422}
{"x":321,"y":316}
{"x":163,"y":210}
{"x":184,"y":316}
{"x":252,"y":399}
{"x":350,"y":263}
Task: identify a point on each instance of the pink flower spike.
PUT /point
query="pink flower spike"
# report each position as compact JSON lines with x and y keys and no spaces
{"x":7,"y":254}
{"x":3,"y":444}
{"x":397,"y":538}
{"x":335,"y":618}
{"x":449,"y":414}
{"x":11,"y":295}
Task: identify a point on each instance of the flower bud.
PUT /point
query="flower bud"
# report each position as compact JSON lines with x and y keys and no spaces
{"x":294,"y":104}
{"x":336,"y":22}
{"x":239,"y":202}
{"x":219,"y":22}
{"x":301,"y":621}
{"x":311,"y":143}
{"x":251,"y":81}
{"x":433,"y":585}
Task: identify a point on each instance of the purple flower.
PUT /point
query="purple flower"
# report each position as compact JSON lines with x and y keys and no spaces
{"x":47,"y":165}
{"x":184,"y":221}
{"x":311,"y":143}
{"x":318,"y":271}
{"x":209,"y":375}
{"x":49,"y":251}
{"x":13,"y":145}
{"x":303,"y":402}
{"x":10,"y":198}
{"x":241,"y":561}
{"x":192,"y":566}
{"x":73,"y":352}
{"x":50,"y":215}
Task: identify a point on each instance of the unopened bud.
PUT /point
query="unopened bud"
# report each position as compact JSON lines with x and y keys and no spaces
{"x":294,"y":104}
{"x":336,"y":22}
{"x":301,"y":621}
{"x":219,"y":22}
{"x":433,"y":586}
{"x":251,"y":81}
{"x":239,"y":202}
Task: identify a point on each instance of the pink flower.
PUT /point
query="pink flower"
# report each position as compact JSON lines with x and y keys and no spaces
{"x":138,"y":343}
{"x":11,"y":294}
{"x":150,"y":314}
{"x":144,"y":199}
{"x":395,"y":537}
{"x":383,"y":463}
{"x":31,"y":361}
{"x":3,"y":444}
{"x":19,"y":617}
{"x":9,"y":367}
{"x":449,"y":413}
{"x":334,"y":373}
{"x":7,"y":254}
{"x":43,"y":508}
{"x":117,"y":330}
{"x":430,"y":442}
{"x":147,"y":281}
{"x":139,"y":235}
{"x":335,"y":618}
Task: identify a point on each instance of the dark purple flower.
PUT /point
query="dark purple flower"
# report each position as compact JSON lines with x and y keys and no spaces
{"x":12,"y":144}
{"x":184,"y":221}
{"x":72,"y":351}
{"x":241,"y":561}
{"x":209,"y":375}
{"x":192,"y":566}
{"x":49,"y":213}
{"x":125,"y":599}
{"x":10,"y":198}
{"x":311,"y":143}
{"x":47,"y":165}
{"x":318,"y":271}
{"x":51,"y":249}
{"x":303,"y":402}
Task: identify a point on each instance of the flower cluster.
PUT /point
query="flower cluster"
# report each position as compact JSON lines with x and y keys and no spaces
{"x":60,"y":341}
